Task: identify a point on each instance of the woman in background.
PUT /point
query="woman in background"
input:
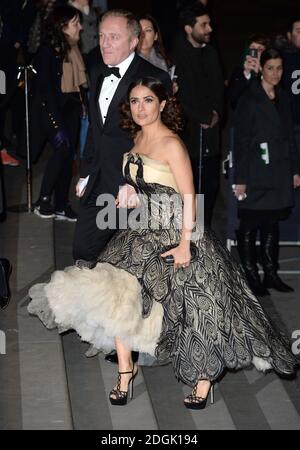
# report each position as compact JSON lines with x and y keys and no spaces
{"x":56,"y":102}
{"x":151,"y":45}
{"x":267,"y":171}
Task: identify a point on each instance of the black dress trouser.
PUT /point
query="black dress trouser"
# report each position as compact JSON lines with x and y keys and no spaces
{"x":58,"y":172}
{"x":89,"y":238}
{"x":210,"y":176}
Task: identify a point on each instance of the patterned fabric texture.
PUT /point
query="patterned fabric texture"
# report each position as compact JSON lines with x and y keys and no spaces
{"x":211,"y":320}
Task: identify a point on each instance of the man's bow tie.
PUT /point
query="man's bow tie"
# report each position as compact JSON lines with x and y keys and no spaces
{"x":111,"y":71}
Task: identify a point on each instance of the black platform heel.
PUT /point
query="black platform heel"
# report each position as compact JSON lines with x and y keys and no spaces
{"x":192,"y":401}
{"x":121,"y":396}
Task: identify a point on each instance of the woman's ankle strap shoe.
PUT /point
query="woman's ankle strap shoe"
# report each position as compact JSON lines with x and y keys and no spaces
{"x":118,"y":397}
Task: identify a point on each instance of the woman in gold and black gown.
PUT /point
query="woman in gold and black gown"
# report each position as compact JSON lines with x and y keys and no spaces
{"x":198,"y":312}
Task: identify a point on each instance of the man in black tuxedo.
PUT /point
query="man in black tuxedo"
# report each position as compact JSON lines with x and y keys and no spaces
{"x":119,"y":33}
{"x":106,"y":142}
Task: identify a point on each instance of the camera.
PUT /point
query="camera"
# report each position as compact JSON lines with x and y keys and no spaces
{"x":253,"y":52}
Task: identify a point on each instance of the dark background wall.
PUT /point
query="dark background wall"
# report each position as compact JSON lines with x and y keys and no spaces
{"x":233,"y":20}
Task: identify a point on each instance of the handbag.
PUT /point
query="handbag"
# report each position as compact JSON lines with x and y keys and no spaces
{"x":5,"y":272}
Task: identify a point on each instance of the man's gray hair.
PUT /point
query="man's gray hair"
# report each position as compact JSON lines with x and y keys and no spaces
{"x":132,"y":21}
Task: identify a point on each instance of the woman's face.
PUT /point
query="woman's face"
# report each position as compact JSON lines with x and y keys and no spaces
{"x":148,"y":35}
{"x":73,"y":28}
{"x":145,"y":106}
{"x":272,"y":71}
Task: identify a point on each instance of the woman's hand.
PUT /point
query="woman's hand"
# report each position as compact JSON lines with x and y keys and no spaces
{"x":296,"y":181}
{"x":239,"y":191}
{"x":181,"y":255}
{"x":127,"y":197}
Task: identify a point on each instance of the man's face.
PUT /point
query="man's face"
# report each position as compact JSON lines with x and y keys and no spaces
{"x":294,"y":36}
{"x":116,"y":40}
{"x":200,"y":33}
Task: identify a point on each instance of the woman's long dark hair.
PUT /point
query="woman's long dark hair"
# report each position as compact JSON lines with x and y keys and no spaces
{"x":269,"y":53}
{"x":53,"y":30}
{"x":171,"y":116}
{"x":158,"y":44}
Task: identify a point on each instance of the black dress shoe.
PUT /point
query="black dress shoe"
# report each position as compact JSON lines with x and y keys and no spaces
{"x":112,"y":357}
{"x":5,"y":272}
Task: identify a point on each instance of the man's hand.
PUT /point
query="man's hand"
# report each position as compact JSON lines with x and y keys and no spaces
{"x":214,"y":121}
{"x":127,"y":197}
{"x":296,"y":181}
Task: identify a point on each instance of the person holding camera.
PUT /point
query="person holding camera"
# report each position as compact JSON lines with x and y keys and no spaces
{"x":249,"y":70}
{"x":267,"y":171}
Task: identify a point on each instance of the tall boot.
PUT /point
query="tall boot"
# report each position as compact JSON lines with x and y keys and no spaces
{"x":270,"y":254}
{"x":247,"y":250}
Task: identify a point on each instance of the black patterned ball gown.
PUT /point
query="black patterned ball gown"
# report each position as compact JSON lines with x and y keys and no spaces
{"x":204,"y":317}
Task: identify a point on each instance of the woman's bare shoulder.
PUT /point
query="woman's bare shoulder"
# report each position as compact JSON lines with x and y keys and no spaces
{"x":173,"y":147}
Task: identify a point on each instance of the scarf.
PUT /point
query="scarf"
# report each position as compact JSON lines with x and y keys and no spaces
{"x":73,"y":71}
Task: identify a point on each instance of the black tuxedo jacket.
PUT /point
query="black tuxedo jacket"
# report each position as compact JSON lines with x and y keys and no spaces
{"x":107,"y":143}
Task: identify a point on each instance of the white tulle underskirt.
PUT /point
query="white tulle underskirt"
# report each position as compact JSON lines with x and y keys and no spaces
{"x":100,"y":304}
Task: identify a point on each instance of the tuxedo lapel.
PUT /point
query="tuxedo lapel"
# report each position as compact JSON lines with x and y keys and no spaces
{"x":97,"y":95}
{"x":123,"y":87}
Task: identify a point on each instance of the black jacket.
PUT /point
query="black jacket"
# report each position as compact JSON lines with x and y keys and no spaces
{"x":201,"y":91}
{"x":16,"y":21}
{"x":107,"y":143}
{"x":258,"y":120}
{"x":238,"y":84}
{"x":46,"y":102}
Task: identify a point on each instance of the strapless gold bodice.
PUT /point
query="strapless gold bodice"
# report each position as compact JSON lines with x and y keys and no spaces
{"x":154,"y":171}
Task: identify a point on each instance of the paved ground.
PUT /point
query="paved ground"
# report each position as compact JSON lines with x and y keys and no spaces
{"x":47,"y":383}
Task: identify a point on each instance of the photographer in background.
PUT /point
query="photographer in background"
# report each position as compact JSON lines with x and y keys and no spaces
{"x":249,"y":70}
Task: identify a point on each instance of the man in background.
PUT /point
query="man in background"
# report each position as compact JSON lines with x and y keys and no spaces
{"x":201,"y":93}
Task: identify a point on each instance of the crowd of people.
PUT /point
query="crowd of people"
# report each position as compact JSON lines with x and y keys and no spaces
{"x":159,"y":289}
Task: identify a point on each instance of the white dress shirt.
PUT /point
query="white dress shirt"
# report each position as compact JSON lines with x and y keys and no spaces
{"x":110,"y":85}
{"x":108,"y":90}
